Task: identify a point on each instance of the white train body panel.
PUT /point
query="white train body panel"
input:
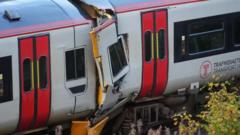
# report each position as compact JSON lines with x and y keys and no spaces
{"x":182,"y":74}
{"x":9,"y":111}
{"x":60,"y":106}
{"x":129,"y":23}
{"x":83,"y":102}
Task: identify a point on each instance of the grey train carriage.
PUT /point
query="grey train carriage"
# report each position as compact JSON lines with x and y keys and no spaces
{"x":65,"y":59}
{"x":46,"y":65}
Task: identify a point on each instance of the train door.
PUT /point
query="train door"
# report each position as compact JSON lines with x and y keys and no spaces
{"x":155,"y":53}
{"x":161,"y":40}
{"x":35,"y":83}
{"x":148,"y":54}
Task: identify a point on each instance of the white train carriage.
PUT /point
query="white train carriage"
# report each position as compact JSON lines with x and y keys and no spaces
{"x":174,"y":47}
{"x":47,"y":73}
{"x":178,"y":45}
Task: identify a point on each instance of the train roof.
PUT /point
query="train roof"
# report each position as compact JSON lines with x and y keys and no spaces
{"x":37,"y":15}
{"x":132,"y":5}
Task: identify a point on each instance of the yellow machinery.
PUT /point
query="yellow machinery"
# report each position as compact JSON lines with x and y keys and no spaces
{"x":83,"y":127}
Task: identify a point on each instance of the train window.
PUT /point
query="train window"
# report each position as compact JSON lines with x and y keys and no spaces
{"x":117,"y":55}
{"x":6,"y":79}
{"x":204,"y":37}
{"x":80,"y":63}
{"x":43,"y":72}
{"x":75,"y":64}
{"x":27,"y":75}
{"x":161,"y":44}
{"x":70,"y":65}
{"x":148,"y":45}
{"x":236,"y":31}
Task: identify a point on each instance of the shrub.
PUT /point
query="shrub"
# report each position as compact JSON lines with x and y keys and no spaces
{"x":221,"y":114}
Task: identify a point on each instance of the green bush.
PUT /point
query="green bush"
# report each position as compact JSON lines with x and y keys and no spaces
{"x":221,"y":114}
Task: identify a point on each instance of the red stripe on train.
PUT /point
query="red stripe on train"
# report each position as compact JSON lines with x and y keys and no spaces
{"x":154,"y":4}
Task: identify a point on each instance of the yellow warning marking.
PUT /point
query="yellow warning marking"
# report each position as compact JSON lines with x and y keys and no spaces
{"x":93,"y":37}
{"x":100,"y":96}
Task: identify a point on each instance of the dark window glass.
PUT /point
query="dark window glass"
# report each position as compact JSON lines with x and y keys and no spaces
{"x":117,"y":56}
{"x":80,"y":63}
{"x":205,"y":27}
{"x":161,"y":44}
{"x":27,"y":75}
{"x":236,"y":31}
{"x":206,"y":37}
{"x":148,"y":45}
{"x":70,"y":65}
{"x":77,"y":89}
{"x":5,"y":79}
{"x":43,"y":72}
{"x":75,"y":64}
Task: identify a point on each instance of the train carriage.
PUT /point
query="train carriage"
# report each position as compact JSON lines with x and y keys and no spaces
{"x":47,"y":69}
{"x":61,"y":60}
{"x":172,"y":41}
{"x":174,"y":48}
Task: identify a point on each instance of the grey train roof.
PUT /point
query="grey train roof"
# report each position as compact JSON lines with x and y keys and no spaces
{"x":36,"y":12}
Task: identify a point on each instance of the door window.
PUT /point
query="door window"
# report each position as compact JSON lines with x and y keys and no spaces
{"x":161,"y":44}
{"x":43,"y":72}
{"x":148,"y":45}
{"x":27,"y":75}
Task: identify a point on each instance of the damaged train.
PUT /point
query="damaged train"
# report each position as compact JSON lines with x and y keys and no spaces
{"x":84,"y":61}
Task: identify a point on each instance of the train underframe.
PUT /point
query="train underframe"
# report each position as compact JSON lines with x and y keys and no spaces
{"x":140,"y":115}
